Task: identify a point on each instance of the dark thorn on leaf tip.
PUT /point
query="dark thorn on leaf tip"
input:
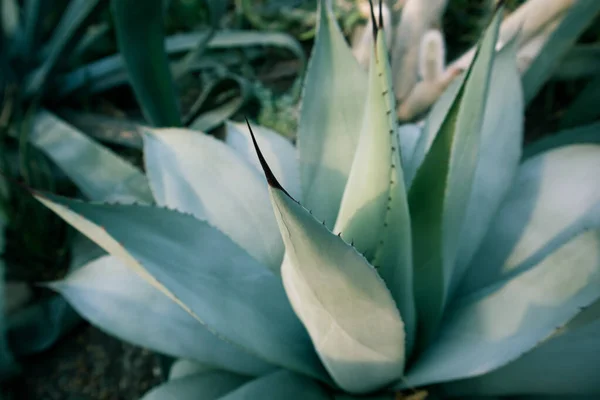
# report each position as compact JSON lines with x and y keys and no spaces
{"x":271,"y":180}
{"x":373,"y":21}
{"x":380,"y":14}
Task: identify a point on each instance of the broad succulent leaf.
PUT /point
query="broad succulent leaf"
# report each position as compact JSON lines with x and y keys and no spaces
{"x":441,"y":189}
{"x":79,"y":157}
{"x":280,"y":385}
{"x":330,"y":118}
{"x":345,"y":306}
{"x":117,"y":300}
{"x":499,"y":155}
{"x":198,"y":174}
{"x":374,"y":209}
{"x":580,"y":135}
{"x":498,"y":324}
{"x":431,"y":128}
{"x":279,"y":152}
{"x":566,"y":363}
{"x":209,"y":386}
{"x":408,"y":137}
{"x":555,"y":196}
{"x":226,"y":289}
{"x":184,"y":367}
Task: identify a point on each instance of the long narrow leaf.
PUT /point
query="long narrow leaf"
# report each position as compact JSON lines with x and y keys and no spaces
{"x":99,"y":173}
{"x":578,"y":18}
{"x":329,"y":127}
{"x":441,"y":189}
{"x":140,"y":35}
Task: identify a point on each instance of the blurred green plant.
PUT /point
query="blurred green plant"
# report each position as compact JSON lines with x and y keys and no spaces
{"x":451,"y":268}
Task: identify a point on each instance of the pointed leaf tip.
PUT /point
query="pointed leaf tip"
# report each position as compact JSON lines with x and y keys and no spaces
{"x":271,"y":179}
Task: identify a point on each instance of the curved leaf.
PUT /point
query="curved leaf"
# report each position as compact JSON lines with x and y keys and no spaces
{"x":499,"y":155}
{"x":184,"y":367}
{"x":332,"y":110}
{"x":554,"y":197}
{"x":208,"y":386}
{"x":345,"y":306}
{"x":441,"y":189}
{"x":140,"y":36}
{"x":80,"y":159}
{"x":203,"y":271}
{"x":566,"y":364}
{"x":408,"y":137}
{"x":196,"y":173}
{"x":281,"y":385}
{"x":579,"y":16}
{"x":118,"y":301}
{"x":279,"y":152}
{"x":374,"y":209}
{"x":579,"y":135}
{"x":499,"y":324}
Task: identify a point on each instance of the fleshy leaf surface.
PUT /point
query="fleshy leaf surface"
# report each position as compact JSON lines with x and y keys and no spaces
{"x":208,"y":386}
{"x":280,"y":385}
{"x":117,"y":300}
{"x":203,"y":271}
{"x":330,"y":118}
{"x":374,"y":210}
{"x":198,"y":174}
{"x":79,"y":157}
{"x":499,"y":156}
{"x":348,"y":311}
{"x":567,"y":364}
{"x":441,"y":189}
{"x":498,"y":324}
{"x":555,"y":196}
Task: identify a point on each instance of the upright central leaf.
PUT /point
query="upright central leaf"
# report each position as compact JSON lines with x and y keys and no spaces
{"x":442,"y":187}
{"x":374,"y":210}
{"x":350,"y":315}
{"x":330,"y":119}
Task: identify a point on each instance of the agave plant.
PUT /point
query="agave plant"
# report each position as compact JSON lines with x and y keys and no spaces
{"x":377,"y":262}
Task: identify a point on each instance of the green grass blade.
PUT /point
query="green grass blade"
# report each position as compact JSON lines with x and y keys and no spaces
{"x":76,"y":13}
{"x":140,"y":36}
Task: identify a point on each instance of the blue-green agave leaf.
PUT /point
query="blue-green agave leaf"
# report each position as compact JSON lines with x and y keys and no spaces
{"x":117,"y":300}
{"x":441,"y":189}
{"x":184,"y":367}
{"x":280,"y":385}
{"x":583,"y":134}
{"x":497,"y":325}
{"x":198,"y":174}
{"x":203,"y":271}
{"x":206,"y":386}
{"x":499,"y":155}
{"x":345,"y":306}
{"x":330,"y":118}
{"x":579,"y":16}
{"x":555,"y":196}
{"x":566,"y":363}
{"x":98,"y":172}
{"x":374,"y":209}
{"x":279,"y":152}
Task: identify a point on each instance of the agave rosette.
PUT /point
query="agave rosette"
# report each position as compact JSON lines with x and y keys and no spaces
{"x":374,"y":261}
